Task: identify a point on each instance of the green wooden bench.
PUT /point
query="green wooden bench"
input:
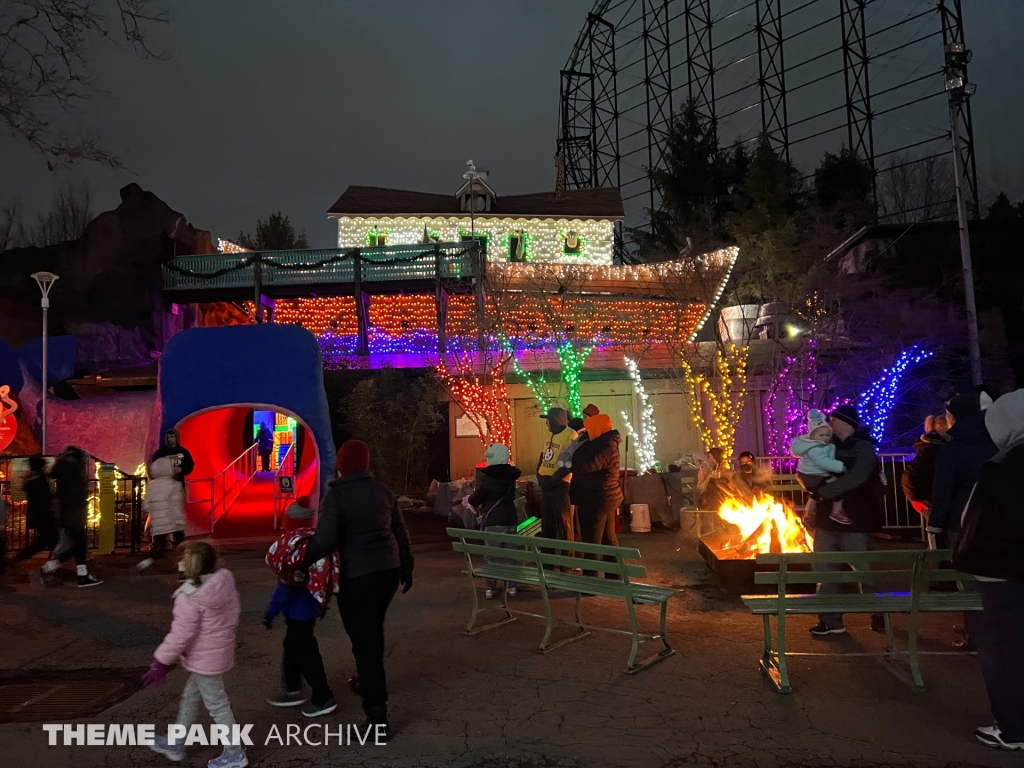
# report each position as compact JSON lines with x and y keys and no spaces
{"x":904,"y":575}
{"x":535,"y":562}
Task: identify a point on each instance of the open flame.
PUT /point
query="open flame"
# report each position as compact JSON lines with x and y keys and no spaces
{"x":766,"y":525}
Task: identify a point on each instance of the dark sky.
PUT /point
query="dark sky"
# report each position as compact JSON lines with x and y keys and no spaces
{"x":263,"y":105}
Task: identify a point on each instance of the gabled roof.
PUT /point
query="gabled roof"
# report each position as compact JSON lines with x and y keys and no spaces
{"x":603,"y":203}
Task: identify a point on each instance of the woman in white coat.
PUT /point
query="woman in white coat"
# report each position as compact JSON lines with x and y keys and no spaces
{"x":165,"y":505}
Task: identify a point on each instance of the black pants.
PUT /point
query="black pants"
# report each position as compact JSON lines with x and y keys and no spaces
{"x":45,"y":538}
{"x":302,"y":660}
{"x":159,"y":545}
{"x":265,"y":460}
{"x":597,"y":526}
{"x":363,"y":602}
{"x":556,"y":513}
{"x":1000,"y":639}
{"x":79,"y":544}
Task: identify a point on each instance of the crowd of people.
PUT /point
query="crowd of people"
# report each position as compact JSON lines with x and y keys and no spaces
{"x":966,"y":480}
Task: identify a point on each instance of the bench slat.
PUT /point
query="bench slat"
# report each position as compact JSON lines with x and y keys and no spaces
{"x":618,"y":567}
{"x":874,"y":556}
{"x":809,"y":604}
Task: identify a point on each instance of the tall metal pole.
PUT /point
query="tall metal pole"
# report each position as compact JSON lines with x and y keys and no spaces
{"x":45,"y":281}
{"x":974,"y":345}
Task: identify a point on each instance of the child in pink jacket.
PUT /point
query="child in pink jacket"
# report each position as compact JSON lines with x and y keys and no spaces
{"x":202,"y":640}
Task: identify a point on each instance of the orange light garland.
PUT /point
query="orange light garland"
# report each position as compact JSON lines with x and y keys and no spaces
{"x":487,"y":406}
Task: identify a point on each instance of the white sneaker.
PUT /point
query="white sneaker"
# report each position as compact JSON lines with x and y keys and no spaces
{"x":991,"y":736}
{"x":489,"y":594}
{"x":229,"y":760}
{"x":50,"y":566}
{"x":173,"y":752}
{"x":512,"y":592}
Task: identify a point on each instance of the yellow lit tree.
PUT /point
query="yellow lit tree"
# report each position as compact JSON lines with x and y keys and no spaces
{"x":725,"y":391}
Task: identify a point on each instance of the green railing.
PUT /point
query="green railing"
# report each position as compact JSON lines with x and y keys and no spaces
{"x":449,"y":261}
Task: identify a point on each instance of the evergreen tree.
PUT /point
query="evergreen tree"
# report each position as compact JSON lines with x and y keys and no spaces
{"x":274,"y":234}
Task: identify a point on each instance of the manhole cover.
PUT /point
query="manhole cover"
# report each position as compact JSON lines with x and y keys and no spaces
{"x":55,"y":701}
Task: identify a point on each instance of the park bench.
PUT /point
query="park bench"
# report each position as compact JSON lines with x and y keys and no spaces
{"x":534,"y":563}
{"x":905,"y":575}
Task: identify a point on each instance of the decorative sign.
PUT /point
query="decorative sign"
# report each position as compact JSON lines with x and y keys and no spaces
{"x":286,"y":485}
{"x":464,"y":427}
{"x":8,"y":424}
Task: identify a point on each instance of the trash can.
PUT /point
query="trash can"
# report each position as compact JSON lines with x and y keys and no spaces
{"x":639,"y":518}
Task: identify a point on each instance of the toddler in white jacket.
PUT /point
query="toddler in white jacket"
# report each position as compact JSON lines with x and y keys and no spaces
{"x":818,"y":463}
{"x":165,"y":505}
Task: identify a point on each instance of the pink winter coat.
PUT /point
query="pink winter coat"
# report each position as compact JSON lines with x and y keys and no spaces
{"x":202,"y":635}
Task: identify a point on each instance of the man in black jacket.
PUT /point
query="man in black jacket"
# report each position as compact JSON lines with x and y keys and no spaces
{"x":860,"y":488}
{"x":69,"y":475}
{"x":178,"y":454}
{"x":991,"y":547}
{"x":360,"y":519}
{"x":595,"y":482}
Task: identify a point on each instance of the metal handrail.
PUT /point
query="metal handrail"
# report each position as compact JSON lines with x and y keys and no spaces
{"x":285,"y":468}
{"x":229,"y":485}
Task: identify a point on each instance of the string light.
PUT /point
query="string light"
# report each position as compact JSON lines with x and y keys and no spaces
{"x":646,"y":440}
{"x":727,"y":401}
{"x":486,"y":405}
{"x":546,"y":241}
{"x":875,"y":404}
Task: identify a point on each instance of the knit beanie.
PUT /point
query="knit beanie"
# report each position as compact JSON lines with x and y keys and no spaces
{"x":590,"y":410}
{"x":964,"y":406}
{"x":848,"y":415}
{"x":353,"y":457}
{"x":815,"y":420}
{"x":496,"y":454}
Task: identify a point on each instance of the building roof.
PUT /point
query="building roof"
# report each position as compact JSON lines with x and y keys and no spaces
{"x":603,"y":203}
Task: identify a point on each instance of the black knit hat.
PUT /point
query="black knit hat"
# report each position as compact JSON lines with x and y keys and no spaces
{"x":847,"y":414}
{"x":964,"y":406}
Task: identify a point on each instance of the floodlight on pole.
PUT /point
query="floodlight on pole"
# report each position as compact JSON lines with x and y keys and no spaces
{"x":45,"y":281}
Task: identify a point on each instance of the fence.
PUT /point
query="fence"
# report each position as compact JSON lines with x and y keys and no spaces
{"x":222,"y":490}
{"x":286,"y":469}
{"x":900,"y":516}
{"x":129,"y":491}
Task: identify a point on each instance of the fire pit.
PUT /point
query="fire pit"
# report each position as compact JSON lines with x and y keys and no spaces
{"x":764,"y":525}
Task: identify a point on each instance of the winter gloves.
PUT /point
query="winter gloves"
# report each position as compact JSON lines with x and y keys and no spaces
{"x":156,"y":674}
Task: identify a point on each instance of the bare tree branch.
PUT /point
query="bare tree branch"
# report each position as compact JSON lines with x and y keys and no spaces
{"x":44,"y":68}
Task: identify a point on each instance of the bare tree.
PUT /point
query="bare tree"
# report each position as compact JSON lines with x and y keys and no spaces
{"x":44,"y":66}
{"x":70,"y":212}
{"x":917,"y":190}
{"x":12,"y":226}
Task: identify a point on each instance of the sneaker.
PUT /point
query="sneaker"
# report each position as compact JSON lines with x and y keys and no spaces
{"x":991,"y":736}
{"x":88,"y":581}
{"x":173,"y":752}
{"x":353,"y":684}
{"x":840,"y":517}
{"x":489,"y":594}
{"x":229,"y":760}
{"x":821,"y":629}
{"x":877,"y":623}
{"x":315,"y":710}
{"x":512,"y":592}
{"x":287,"y":699}
{"x":50,"y":566}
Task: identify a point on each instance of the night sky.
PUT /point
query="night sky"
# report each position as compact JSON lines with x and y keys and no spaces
{"x":262,"y":105}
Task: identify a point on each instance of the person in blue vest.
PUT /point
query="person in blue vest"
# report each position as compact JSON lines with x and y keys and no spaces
{"x":265,"y":446}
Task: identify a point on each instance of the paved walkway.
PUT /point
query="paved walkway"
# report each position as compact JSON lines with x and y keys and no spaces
{"x":491,"y":700}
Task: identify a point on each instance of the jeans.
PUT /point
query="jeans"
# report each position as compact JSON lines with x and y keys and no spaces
{"x":837,"y":541}
{"x":79,"y":544}
{"x":597,"y":526}
{"x":302,"y":660}
{"x":209,"y":688}
{"x":493,"y":583}
{"x":363,"y":602}
{"x":999,"y":635}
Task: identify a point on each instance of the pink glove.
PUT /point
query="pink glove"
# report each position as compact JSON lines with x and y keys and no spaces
{"x":156,"y":674}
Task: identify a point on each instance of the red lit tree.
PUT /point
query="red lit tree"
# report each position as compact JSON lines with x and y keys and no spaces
{"x":476,"y":381}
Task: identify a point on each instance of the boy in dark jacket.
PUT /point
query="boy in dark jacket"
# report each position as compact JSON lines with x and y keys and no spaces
{"x":496,"y":498}
{"x":301,"y":651}
{"x":595,"y":482}
{"x":39,"y":514}
{"x":73,"y":502}
{"x":177,"y":453}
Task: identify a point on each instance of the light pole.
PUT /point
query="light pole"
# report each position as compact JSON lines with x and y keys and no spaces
{"x":960,"y":92}
{"x":45,"y":281}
